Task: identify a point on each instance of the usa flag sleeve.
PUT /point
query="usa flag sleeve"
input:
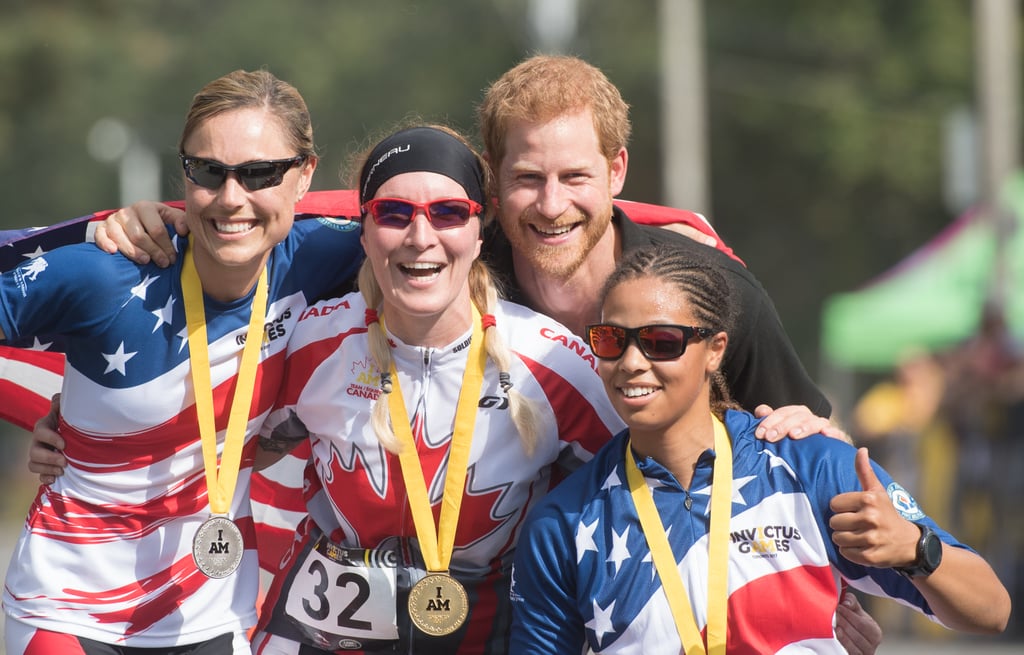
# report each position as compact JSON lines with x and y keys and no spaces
{"x":545,"y":618}
{"x":58,"y":292}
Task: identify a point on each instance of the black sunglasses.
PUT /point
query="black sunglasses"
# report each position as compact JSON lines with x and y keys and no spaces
{"x":657,"y":342}
{"x":442,"y":214}
{"x":254,"y":175}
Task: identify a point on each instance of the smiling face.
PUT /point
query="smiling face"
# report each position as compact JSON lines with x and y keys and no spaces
{"x":234,"y":228}
{"x":423,"y":272}
{"x":661,"y":398}
{"x":555,"y":191}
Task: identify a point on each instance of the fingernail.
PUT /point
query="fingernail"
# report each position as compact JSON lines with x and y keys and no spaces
{"x":797,"y":432}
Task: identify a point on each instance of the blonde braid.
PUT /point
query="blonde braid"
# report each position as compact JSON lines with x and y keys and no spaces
{"x":380,"y":351}
{"x":524,"y":415}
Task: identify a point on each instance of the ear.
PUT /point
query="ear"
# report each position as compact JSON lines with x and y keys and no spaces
{"x":716,"y":346}
{"x":306,"y":176}
{"x":617,"y":171}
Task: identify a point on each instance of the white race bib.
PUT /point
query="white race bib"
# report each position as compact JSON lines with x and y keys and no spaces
{"x":345,"y":595}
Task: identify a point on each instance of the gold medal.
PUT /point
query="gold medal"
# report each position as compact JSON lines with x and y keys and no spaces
{"x":438,"y":604}
{"x":217,"y":547}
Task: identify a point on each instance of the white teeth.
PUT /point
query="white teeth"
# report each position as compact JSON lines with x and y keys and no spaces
{"x":636,"y":392}
{"x":422,"y":270}
{"x":555,"y":231}
{"x":234,"y":227}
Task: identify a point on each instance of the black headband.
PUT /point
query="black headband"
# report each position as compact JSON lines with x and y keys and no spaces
{"x":421,"y":149}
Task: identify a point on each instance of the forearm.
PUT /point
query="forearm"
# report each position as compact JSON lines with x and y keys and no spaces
{"x":965,"y":593}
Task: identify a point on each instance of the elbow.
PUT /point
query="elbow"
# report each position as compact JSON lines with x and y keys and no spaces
{"x":1000,"y":615}
{"x":994,"y":618}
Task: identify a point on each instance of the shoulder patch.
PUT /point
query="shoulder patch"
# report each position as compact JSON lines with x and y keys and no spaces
{"x":904,"y":502}
{"x":339,"y":223}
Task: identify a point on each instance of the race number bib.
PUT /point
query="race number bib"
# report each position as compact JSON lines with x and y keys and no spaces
{"x":343,"y":597}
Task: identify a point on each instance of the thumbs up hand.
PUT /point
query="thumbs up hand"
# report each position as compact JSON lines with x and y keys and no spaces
{"x":867,"y":528}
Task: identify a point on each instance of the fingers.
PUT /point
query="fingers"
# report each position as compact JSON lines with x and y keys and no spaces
{"x":112,"y":235}
{"x":856,"y":629}
{"x":866,"y":473}
{"x":44,"y":455}
{"x":140,"y":234}
{"x":837,"y":432}
{"x":690,"y":233}
{"x":795,"y":421}
{"x":46,"y":462}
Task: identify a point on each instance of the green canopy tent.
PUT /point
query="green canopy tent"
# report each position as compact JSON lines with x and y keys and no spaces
{"x":931,"y":300}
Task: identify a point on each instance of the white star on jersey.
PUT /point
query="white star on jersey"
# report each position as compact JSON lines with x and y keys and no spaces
{"x":620,"y":549}
{"x":116,"y":361}
{"x":163,"y":314}
{"x":139,"y":290}
{"x":601,"y":624}
{"x":585,"y":540}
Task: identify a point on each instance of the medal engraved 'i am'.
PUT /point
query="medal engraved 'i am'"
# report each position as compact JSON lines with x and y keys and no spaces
{"x":217,"y":547}
{"x":438,"y":604}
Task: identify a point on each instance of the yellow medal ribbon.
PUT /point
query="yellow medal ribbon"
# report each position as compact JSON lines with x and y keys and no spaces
{"x":718,"y":550}
{"x":221,"y":486}
{"x":437,"y":544}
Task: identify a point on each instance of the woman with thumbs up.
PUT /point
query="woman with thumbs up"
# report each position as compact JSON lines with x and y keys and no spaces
{"x":687,"y":534}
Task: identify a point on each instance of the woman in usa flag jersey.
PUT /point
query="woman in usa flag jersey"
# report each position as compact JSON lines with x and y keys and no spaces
{"x":685,"y":534}
{"x":145,"y":544}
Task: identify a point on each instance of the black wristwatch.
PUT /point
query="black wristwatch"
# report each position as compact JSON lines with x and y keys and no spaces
{"x":929,"y":555}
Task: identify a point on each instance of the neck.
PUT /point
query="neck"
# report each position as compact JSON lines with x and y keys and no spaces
{"x":435,"y":331}
{"x":679,"y":448}
{"x":573,"y":300}
{"x":227,"y":283}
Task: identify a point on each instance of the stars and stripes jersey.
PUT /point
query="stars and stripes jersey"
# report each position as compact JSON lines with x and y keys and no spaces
{"x":106,"y":551}
{"x":355,"y":490}
{"x":584,"y":579}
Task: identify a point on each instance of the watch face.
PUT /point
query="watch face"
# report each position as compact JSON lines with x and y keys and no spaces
{"x":932,"y":551}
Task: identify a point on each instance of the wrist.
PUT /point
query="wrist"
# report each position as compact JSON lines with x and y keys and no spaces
{"x":927,"y":554}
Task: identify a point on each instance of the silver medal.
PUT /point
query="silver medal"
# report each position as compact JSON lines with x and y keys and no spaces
{"x":217,"y":547}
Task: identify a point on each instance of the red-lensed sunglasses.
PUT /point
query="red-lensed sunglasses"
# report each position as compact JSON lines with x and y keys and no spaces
{"x":442,"y":214}
{"x":657,"y":342}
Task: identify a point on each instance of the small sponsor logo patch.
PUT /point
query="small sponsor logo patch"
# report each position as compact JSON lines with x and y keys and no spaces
{"x":339,"y":223}
{"x":904,"y":502}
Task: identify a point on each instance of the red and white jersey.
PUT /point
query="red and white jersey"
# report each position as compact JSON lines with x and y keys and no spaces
{"x":358,"y":496}
{"x":106,"y":551}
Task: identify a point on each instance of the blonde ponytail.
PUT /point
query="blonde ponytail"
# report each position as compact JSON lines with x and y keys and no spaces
{"x":524,"y":415}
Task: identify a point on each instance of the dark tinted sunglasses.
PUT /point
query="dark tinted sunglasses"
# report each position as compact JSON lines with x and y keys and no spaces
{"x":254,"y":175}
{"x":656,"y":342}
{"x":442,"y":214}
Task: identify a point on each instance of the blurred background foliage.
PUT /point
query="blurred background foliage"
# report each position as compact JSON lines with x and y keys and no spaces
{"x":825,"y":119}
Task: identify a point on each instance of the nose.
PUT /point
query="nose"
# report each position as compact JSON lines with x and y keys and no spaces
{"x":632,"y":358}
{"x":552,"y":200}
{"x":421,"y":234}
{"x":232,"y":193}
